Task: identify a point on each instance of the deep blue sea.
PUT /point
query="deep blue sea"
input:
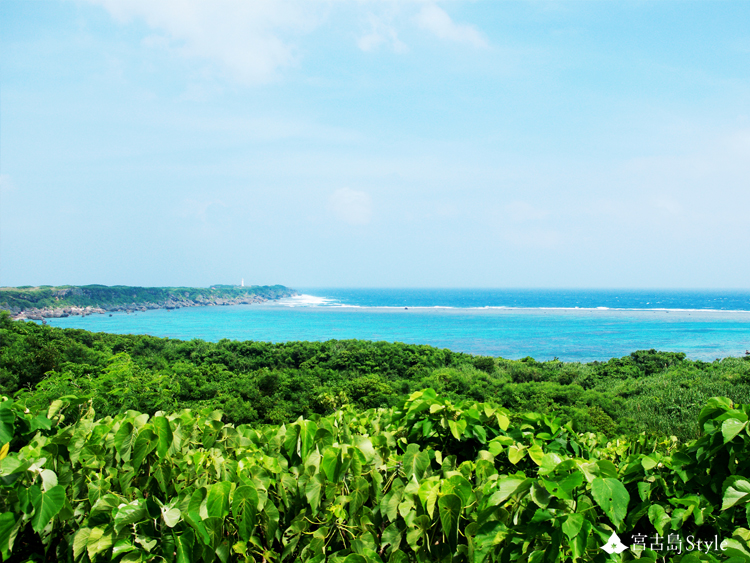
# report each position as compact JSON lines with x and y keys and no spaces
{"x":572,"y":325}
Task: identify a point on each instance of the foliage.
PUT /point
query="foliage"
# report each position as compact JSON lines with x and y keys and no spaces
{"x":426,"y":480}
{"x":261,"y":382}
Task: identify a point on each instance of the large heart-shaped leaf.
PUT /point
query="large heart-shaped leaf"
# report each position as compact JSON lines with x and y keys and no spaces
{"x":738,"y":492}
{"x":164,"y":433}
{"x":217,"y":501}
{"x":124,"y":438}
{"x":415,"y":462}
{"x":145,"y":443}
{"x":449,"y":507}
{"x":46,"y":505}
{"x":611,"y":495}
{"x":244,"y":510}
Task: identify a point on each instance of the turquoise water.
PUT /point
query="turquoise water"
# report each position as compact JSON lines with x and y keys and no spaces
{"x":569,"y":325}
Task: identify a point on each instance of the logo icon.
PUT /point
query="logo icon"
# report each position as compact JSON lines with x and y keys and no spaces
{"x":614,"y":545}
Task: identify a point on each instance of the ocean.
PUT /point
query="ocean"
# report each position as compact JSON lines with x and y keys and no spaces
{"x":571,"y":325}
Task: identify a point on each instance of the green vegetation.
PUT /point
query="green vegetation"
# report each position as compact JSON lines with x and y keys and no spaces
{"x":120,"y":297}
{"x":427,"y":480}
{"x":258,"y":382}
{"x":141,"y":449}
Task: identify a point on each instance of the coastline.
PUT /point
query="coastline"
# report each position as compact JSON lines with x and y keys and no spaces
{"x":60,"y":312}
{"x":166,"y":298}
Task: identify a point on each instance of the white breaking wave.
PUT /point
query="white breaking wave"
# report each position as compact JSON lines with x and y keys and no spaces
{"x":305,"y":301}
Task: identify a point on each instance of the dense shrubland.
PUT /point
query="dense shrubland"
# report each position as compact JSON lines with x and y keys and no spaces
{"x":135,"y":448}
{"x":426,"y":480}
{"x":260,"y":382}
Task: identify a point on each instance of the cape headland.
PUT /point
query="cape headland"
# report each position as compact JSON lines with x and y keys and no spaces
{"x":42,"y":302}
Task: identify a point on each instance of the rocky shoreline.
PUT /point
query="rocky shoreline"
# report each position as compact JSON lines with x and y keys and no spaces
{"x":174,"y":302}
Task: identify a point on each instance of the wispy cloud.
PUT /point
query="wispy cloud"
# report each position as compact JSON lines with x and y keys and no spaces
{"x":436,"y":20}
{"x":245,"y":39}
{"x":380,"y":33}
{"x":350,"y":206}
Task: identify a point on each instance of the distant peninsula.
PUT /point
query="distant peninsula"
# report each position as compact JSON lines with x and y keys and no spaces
{"x":46,"y":301}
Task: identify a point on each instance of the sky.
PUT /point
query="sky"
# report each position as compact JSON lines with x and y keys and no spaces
{"x":375,"y":143}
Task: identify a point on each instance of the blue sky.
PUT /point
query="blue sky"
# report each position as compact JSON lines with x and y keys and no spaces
{"x":375,"y":143}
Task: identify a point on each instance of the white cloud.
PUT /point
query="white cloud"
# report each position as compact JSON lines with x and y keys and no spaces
{"x":243,"y":37}
{"x":436,"y":20}
{"x":380,"y":33}
{"x":352,"y":207}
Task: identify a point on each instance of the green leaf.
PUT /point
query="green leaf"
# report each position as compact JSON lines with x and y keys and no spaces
{"x":49,"y":479}
{"x":606,"y":468}
{"x":124,"y":545}
{"x":503,"y":421}
{"x":270,"y":520}
{"x":540,"y":495}
{"x":536,"y":454}
{"x":313,"y":489}
{"x":7,"y":537}
{"x":579,"y":542}
{"x":164,"y":433}
{"x":46,"y":505}
{"x":99,"y":540}
{"x":611,"y":495}
{"x":145,"y":443}
{"x":217,"y":501}
{"x":244,"y":510}
{"x":97,"y":489}
{"x":358,"y":496}
{"x":185,"y":543}
{"x":649,"y":462}
{"x":428,"y":494}
{"x":455,"y":430}
{"x":738,"y":492}
{"x":489,"y":535}
{"x":506,"y":487}
{"x":734,"y":548}
{"x":124,"y":438}
{"x":40,"y":422}
{"x":171,"y":516}
{"x":552,"y":553}
{"x":549,"y":462}
{"x":333,"y":464}
{"x":415,"y":462}
{"x":391,"y":536}
{"x":80,"y":541}
{"x":449,"y":507}
{"x":7,"y":420}
{"x":731,"y":427}
{"x":307,"y":438}
{"x":516,"y":453}
{"x":572,"y":525}
{"x":658,"y":517}
{"x":54,"y":408}
{"x":458,"y":485}
{"x":130,"y":514}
